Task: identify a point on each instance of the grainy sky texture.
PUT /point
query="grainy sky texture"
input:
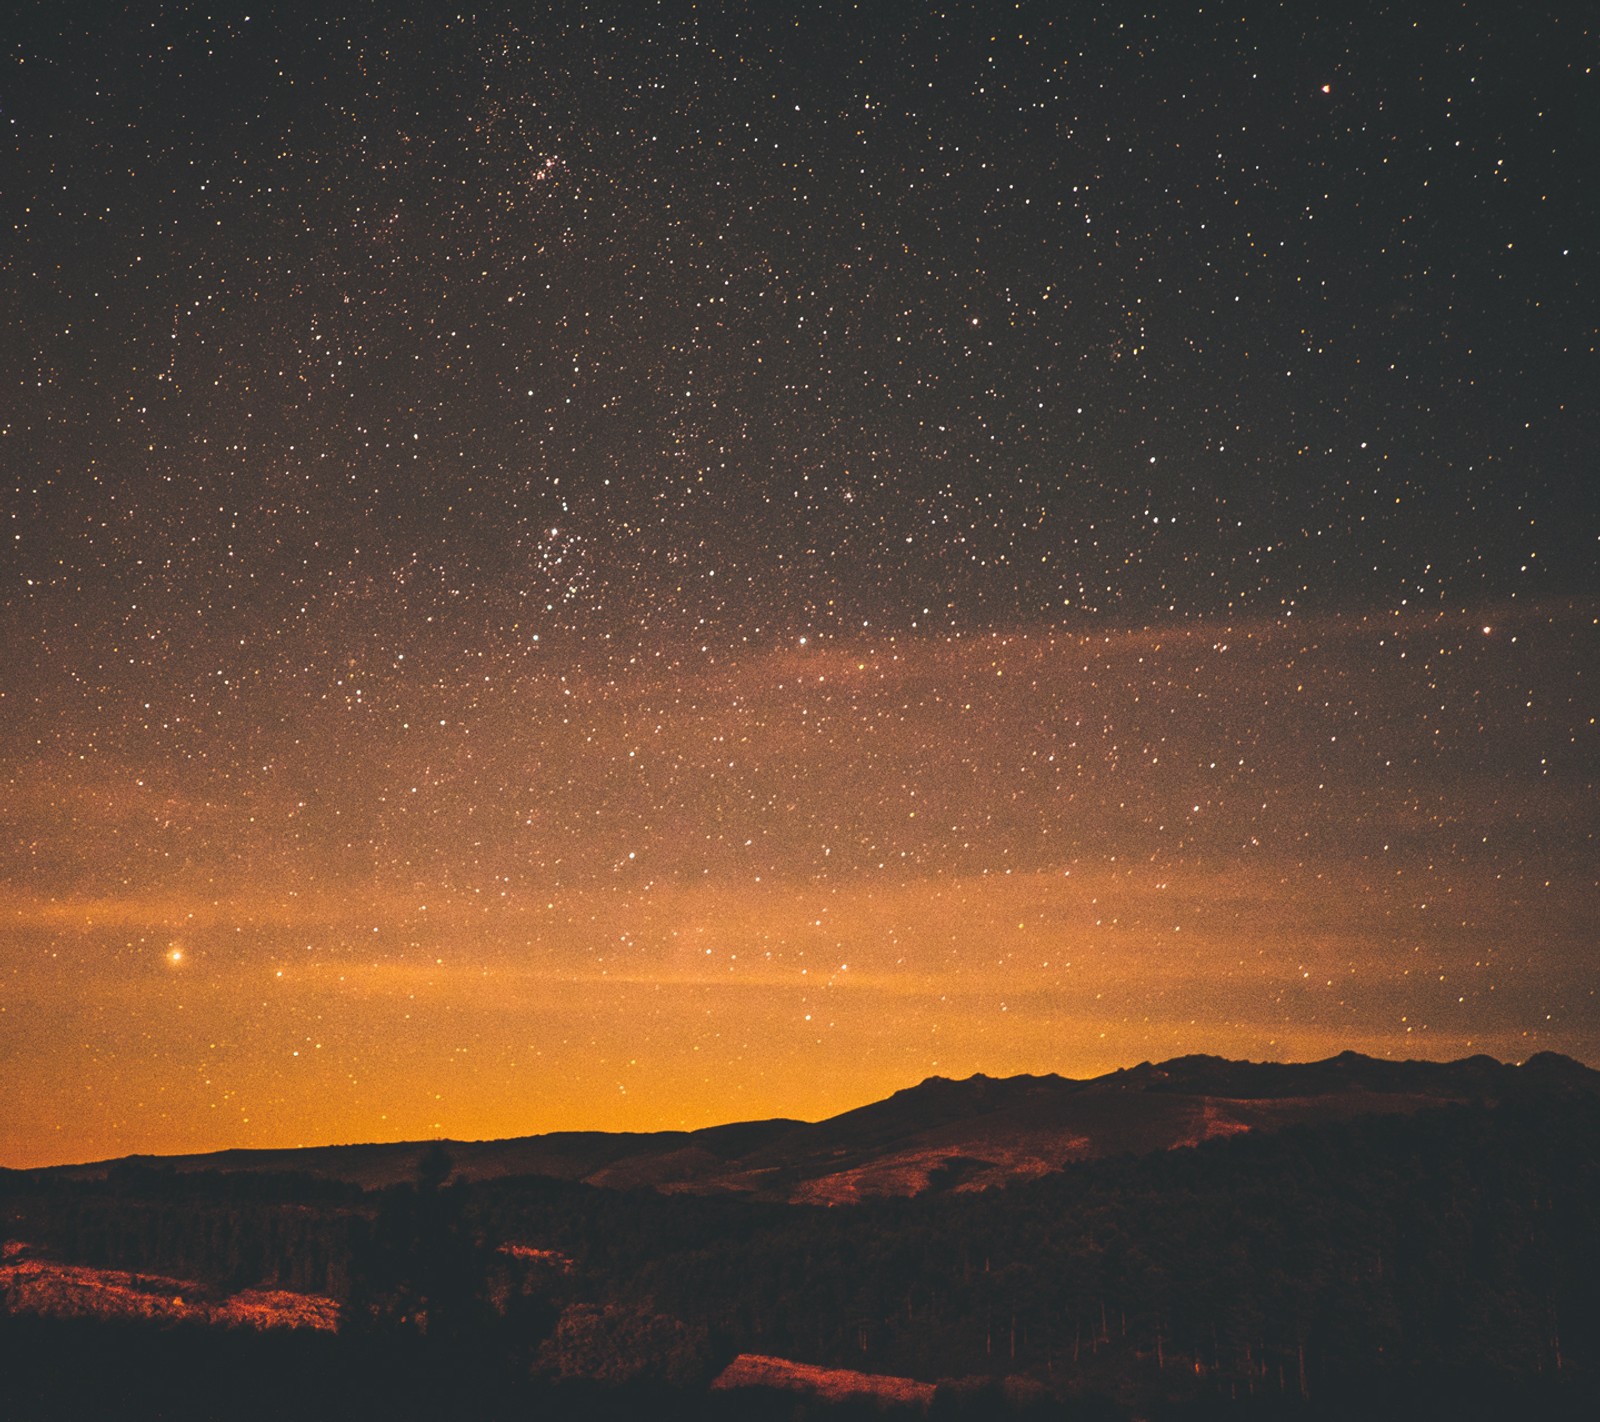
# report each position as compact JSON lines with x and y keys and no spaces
{"x":639,"y":565}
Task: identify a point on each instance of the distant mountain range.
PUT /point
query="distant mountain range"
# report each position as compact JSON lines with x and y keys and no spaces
{"x":942,"y":1134}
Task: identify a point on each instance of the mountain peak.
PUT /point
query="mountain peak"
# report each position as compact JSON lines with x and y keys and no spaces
{"x":946,"y":1133}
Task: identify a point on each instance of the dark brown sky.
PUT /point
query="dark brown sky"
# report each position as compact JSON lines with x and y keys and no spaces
{"x":635,"y":571}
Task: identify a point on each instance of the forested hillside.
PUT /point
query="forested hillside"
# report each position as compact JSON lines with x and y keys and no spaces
{"x":1308,"y":1267}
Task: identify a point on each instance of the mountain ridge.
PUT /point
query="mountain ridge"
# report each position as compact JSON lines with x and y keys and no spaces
{"x":942,"y":1133}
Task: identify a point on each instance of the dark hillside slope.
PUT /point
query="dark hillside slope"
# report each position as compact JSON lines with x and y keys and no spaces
{"x":1355,"y":1264}
{"x":968,"y":1134}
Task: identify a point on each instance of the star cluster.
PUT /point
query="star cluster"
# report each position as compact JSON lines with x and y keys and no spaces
{"x":627,"y":565}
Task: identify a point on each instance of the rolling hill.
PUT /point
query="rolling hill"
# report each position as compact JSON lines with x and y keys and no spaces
{"x":941,"y":1134}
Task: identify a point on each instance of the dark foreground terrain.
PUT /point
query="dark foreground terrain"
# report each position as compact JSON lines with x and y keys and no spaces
{"x":1443,"y":1260}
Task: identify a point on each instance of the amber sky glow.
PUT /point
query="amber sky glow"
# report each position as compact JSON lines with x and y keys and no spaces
{"x":1058,"y":853}
{"x":638,"y":571}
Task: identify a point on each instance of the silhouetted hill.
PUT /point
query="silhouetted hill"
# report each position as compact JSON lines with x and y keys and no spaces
{"x":563,"y":1155}
{"x":1471,"y":1077}
{"x":947,"y":1134}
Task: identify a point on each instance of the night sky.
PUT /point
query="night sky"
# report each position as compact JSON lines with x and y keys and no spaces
{"x":630,"y":566}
